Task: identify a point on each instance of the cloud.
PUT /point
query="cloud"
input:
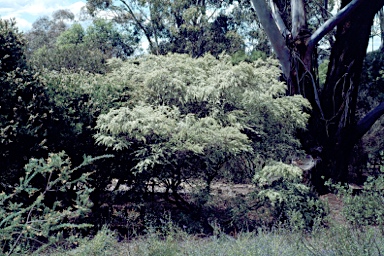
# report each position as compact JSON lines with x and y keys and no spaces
{"x":27,"y":11}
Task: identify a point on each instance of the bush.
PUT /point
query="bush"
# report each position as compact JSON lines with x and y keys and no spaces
{"x":366,"y":207}
{"x":191,"y":117}
{"x":34,"y":217}
{"x":24,"y":107}
{"x":289,"y":201}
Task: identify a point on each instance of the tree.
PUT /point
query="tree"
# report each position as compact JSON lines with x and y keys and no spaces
{"x":45,"y":30}
{"x":333,"y":125}
{"x":24,"y":107}
{"x":104,"y":36}
{"x":76,"y":48}
{"x":183,"y":26}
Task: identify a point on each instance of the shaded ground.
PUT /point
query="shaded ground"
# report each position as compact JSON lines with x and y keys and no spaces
{"x":335,"y":205}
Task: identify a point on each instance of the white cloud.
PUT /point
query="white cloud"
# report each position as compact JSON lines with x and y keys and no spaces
{"x":26,"y":12}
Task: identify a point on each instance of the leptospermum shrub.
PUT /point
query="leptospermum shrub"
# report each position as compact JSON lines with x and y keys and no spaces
{"x":190,"y":117}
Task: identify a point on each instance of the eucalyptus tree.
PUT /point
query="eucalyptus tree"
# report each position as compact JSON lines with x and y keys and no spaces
{"x":88,"y":49}
{"x":183,"y":26}
{"x":45,"y":30}
{"x":295,"y":41}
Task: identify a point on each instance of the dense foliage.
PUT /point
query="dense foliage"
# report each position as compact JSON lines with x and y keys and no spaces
{"x":30,"y":218}
{"x":24,"y":109}
{"x":193,"y":116}
{"x":182,"y":129}
{"x":54,"y":45}
{"x":185,"y":26}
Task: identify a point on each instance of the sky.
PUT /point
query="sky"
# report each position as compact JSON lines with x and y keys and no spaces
{"x":27,"y":11}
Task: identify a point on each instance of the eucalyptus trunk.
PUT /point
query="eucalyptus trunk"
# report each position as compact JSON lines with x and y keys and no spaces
{"x":339,"y":96}
{"x":333,"y":126}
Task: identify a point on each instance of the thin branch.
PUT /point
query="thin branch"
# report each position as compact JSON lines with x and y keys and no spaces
{"x":330,"y":24}
{"x":317,"y":99}
{"x":140,"y":25}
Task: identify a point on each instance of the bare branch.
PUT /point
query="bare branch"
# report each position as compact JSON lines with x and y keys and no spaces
{"x":330,"y":24}
{"x":146,"y":33}
{"x":275,"y":37}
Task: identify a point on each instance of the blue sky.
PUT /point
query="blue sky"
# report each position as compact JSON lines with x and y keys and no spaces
{"x":27,"y":11}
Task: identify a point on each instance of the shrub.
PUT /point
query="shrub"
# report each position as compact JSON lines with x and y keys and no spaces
{"x":33,"y":216}
{"x":192,"y":116}
{"x":289,"y":201}
{"x":366,"y":206}
{"x":24,"y":108}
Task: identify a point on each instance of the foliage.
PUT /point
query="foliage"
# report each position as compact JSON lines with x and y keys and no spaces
{"x":30,"y":218}
{"x":76,"y":99}
{"x":290,"y":201}
{"x":336,"y":240}
{"x":364,"y":207}
{"x":75,"y":48}
{"x":11,"y":47}
{"x":182,"y":26}
{"x":45,"y":30}
{"x":112,"y":42}
{"x":194,"y":115}
{"x":240,"y":56}
{"x":24,"y":108}
{"x":73,"y":57}
{"x":103,"y":243}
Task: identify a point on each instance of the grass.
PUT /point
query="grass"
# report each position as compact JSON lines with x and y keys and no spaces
{"x":336,"y":240}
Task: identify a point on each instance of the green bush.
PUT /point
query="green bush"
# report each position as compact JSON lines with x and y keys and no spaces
{"x":287,"y":199}
{"x":24,"y":107}
{"x":190,"y":117}
{"x":364,"y":207}
{"x":34,"y":216}
{"x":72,"y":57}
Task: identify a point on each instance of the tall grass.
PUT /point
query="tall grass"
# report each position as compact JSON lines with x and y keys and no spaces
{"x":339,"y":239}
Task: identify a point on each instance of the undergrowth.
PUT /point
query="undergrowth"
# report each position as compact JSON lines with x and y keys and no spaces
{"x":336,"y":240}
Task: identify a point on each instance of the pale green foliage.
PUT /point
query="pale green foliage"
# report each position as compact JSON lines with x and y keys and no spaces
{"x":28,"y":219}
{"x":187,"y":111}
{"x":277,"y":171}
{"x":168,"y":135}
{"x":291,"y":201}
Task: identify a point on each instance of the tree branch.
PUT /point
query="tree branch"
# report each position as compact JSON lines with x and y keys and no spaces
{"x":279,"y":21}
{"x":330,"y":24}
{"x":366,"y":122}
{"x":146,"y":33}
{"x":298,"y":17}
{"x":275,"y":37}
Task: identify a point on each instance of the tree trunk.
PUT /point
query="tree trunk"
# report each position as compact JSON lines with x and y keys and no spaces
{"x":337,"y":132}
{"x":332,"y":125}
